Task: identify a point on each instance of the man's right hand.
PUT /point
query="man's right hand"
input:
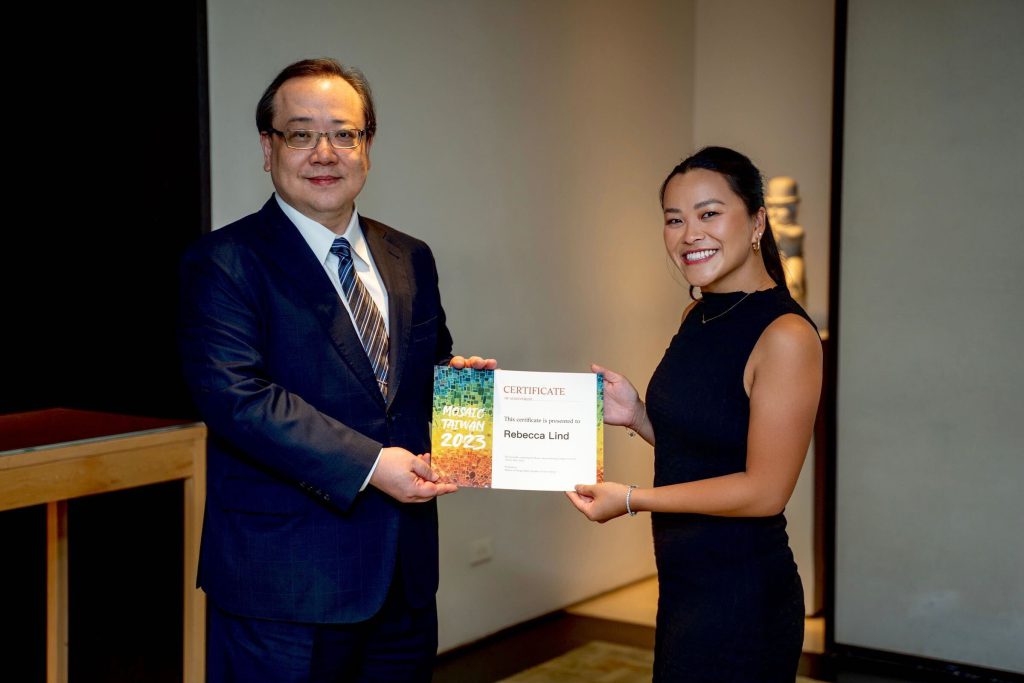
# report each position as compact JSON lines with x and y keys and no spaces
{"x":407,"y":478}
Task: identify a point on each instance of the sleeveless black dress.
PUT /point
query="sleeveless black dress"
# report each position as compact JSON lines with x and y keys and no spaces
{"x":731,"y":603}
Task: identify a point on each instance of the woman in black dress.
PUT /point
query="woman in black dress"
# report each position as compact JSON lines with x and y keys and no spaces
{"x":729,"y":411}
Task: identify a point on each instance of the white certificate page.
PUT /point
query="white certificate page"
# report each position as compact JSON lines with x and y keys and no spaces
{"x":545,"y":430}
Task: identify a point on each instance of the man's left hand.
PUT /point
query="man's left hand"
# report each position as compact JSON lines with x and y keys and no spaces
{"x":473,"y":362}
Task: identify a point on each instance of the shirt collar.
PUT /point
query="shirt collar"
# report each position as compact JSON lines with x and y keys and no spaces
{"x":320,"y":239}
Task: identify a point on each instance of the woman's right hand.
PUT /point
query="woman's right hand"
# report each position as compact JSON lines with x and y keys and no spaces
{"x":600,"y":502}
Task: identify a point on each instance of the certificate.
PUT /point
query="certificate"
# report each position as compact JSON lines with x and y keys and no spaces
{"x":508,"y":429}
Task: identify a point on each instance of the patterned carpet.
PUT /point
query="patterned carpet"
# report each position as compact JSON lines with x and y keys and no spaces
{"x":597,"y":662}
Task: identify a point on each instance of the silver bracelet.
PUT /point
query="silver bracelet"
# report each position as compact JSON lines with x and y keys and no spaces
{"x":629,"y":494}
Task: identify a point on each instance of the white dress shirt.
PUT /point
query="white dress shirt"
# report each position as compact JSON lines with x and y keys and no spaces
{"x":320,"y":240}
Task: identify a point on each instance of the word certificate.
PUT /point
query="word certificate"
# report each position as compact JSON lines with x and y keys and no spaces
{"x":508,"y":429}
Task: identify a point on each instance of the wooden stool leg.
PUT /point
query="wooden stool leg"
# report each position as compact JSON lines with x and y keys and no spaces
{"x":57,"y":592}
{"x":194,"y":665}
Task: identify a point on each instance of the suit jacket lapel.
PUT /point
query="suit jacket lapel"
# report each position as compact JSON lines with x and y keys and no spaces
{"x":395,"y":271}
{"x":285,"y":247}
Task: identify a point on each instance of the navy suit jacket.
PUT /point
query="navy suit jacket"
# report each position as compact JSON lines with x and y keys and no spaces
{"x":296,"y":422}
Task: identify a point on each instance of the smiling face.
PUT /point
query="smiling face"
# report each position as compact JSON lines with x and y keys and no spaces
{"x":709,"y":234}
{"x":321,"y":183}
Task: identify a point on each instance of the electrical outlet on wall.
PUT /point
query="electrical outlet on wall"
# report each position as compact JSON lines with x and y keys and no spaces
{"x":481,"y":550}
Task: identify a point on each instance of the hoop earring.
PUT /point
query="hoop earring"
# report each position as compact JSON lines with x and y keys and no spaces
{"x":757,"y":244}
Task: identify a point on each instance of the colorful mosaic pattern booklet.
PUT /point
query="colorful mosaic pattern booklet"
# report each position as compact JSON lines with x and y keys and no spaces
{"x":509,"y":429}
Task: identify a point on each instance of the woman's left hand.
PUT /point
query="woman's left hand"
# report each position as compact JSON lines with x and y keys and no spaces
{"x":600,"y":502}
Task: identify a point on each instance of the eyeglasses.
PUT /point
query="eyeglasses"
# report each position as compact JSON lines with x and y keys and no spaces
{"x":344,"y":138}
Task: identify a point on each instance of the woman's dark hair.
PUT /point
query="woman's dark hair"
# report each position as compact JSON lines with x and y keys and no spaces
{"x":321,"y":67}
{"x":745,"y":180}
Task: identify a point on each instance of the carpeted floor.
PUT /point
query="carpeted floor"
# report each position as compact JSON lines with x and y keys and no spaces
{"x":597,"y":662}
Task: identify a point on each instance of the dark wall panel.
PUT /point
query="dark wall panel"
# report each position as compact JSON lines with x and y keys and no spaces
{"x":112,"y":188}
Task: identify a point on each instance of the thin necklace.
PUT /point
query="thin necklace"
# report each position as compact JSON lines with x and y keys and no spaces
{"x":704,"y":321}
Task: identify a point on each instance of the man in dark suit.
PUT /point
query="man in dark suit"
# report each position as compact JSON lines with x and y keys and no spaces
{"x":309,"y":335}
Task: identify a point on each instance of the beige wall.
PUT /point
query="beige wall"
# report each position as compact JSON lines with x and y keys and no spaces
{"x":929,"y":473}
{"x":525,"y":142}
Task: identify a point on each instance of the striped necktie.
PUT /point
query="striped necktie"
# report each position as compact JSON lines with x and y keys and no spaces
{"x":369,"y":322}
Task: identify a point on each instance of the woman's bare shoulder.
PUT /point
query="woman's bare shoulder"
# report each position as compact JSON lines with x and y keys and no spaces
{"x":790,"y":336}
